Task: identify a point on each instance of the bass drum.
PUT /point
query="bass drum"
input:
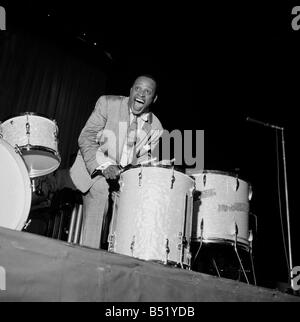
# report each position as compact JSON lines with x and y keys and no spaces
{"x":15,"y":188}
{"x":152,"y":215}
{"x":221,"y":212}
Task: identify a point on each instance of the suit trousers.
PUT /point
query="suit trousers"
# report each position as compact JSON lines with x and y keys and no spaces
{"x":95,"y":206}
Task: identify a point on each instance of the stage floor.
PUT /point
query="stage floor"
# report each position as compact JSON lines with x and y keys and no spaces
{"x":39,"y":269}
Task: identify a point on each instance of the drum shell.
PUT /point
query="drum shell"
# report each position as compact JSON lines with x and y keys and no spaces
{"x":36,"y":136}
{"x":15,"y":188}
{"x":221,"y":212}
{"x":153,"y":215}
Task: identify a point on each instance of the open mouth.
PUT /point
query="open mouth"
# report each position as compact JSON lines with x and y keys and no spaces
{"x":138,"y":103}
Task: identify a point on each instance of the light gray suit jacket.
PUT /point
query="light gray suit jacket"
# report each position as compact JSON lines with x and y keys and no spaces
{"x":103,"y":137}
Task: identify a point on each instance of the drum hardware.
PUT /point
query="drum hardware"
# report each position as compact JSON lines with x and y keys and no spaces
{"x":26,"y":225}
{"x":75,"y":225}
{"x":111,"y":242}
{"x":251,"y":255}
{"x":18,"y":150}
{"x":167,"y":251}
{"x":173,"y":178}
{"x":180,"y":247}
{"x":200,"y":238}
{"x":140,"y":176}
{"x":27,"y":126}
{"x":237,"y":253}
{"x":132,"y":245}
{"x":237,"y":184}
{"x":216,"y":267}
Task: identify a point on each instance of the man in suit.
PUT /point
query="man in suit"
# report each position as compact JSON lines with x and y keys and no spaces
{"x":120,"y":131}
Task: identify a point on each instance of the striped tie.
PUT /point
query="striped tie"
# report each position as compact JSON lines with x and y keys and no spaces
{"x":132,"y":133}
{"x":129,"y":150}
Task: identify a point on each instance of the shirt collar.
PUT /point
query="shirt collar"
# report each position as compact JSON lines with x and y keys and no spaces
{"x":144,"y":116}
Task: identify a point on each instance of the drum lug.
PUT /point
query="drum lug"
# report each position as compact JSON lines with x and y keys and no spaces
{"x":140,"y":177}
{"x":18,"y":150}
{"x":167,"y":250}
{"x":26,"y":224}
{"x":188,"y":256}
{"x":250,"y":193}
{"x":111,"y":242}
{"x":237,"y":184}
{"x":172,"y":179}
{"x":204,"y":180}
{"x":132,"y":245}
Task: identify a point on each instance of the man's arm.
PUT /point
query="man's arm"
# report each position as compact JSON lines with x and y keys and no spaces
{"x":87,"y":140}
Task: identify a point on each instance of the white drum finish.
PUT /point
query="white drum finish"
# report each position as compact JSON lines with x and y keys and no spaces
{"x":15,"y":188}
{"x":222,"y":209}
{"x":36,"y":136}
{"x":152,"y":214}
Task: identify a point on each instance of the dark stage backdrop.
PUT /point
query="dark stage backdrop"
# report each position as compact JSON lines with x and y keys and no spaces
{"x":50,"y":78}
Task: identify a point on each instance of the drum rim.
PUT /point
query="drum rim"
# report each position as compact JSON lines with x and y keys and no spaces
{"x":27,"y":113}
{"x":160,"y":166}
{"x":156,"y":166}
{"x":220,"y":172}
{"x":212,"y":240}
{"x":29,"y":147}
{"x":27,"y":184}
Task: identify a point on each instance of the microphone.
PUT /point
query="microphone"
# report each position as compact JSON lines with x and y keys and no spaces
{"x":249,"y":119}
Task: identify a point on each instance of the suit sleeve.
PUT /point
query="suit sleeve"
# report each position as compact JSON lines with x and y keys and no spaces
{"x":87,"y":140}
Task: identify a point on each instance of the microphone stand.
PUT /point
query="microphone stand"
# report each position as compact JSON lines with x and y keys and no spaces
{"x":286,"y":193}
{"x":287,"y":209}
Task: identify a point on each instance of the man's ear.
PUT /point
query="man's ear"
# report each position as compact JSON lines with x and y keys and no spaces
{"x":155,"y":99}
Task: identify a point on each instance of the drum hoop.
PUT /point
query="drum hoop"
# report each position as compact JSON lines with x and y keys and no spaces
{"x":222,"y":241}
{"x":30,"y":147}
{"x":27,"y":113}
{"x":220,"y":172}
{"x":156,"y":166}
{"x":159,"y":166}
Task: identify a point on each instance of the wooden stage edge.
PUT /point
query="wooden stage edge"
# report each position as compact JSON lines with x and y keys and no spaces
{"x":39,"y":269}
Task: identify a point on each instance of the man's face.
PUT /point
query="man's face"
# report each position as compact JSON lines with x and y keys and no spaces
{"x":142,"y":95}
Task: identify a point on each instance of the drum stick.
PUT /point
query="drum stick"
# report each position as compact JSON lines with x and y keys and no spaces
{"x":148,"y":161}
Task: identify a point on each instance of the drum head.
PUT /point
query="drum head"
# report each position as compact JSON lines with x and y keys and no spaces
{"x":15,"y":188}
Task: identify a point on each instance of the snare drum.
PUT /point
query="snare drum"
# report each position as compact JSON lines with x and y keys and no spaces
{"x":221,"y":210}
{"x":15,"y":188}
{"x":152,"y":215}
{"x":36,"y":137}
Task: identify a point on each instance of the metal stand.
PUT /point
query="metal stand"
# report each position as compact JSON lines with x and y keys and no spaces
{"x":287,"y":209}
{"x":75,"y":225}
{"x":286,"y":193}
{"x":235,"y":247}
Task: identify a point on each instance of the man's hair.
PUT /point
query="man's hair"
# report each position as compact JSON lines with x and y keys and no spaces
{"x":151,"y":76}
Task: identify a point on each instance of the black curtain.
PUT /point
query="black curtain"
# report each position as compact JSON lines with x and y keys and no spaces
{"x":55,"y":78}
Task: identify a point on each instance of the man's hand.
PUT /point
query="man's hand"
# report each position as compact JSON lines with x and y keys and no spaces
{"x":111,"y":172}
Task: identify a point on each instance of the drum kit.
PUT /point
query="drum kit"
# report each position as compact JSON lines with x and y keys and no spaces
{"x":28,"y":150}
{"x":159,"y":213}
